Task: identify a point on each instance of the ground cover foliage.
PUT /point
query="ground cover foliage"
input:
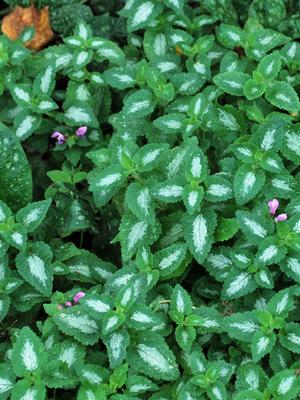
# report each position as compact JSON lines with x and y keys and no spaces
{"x":150,"y":207}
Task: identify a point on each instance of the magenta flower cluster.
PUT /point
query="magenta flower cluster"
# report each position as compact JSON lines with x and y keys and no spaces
{"x":60,"y":138}
{"x":76,"y":299}
{"x":273,"y":205}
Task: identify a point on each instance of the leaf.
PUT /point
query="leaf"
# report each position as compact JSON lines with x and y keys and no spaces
{"x":83,"y":30}
{"x":169,"y":259}
{"x":192,"y":198}
{"x":21,"y":94}
{"x":169,"y":123}
{"x":108,"y":50}
{"x":168,"y":192}
{"x":290,"y":337}
{"x":139,"y":384}
{"x":143,"y":318}
{"x":196,"y":166}
{"x":24,"y":389}
{"x":238,"y":284}
{"x":226,"y":229}
{"x":290,"y":265}
{"x":25,"y":124}
{"x":116,"y":344}
{"x":261,"y":345}
{"x":139,"y":201}
{"x":35,"y":267}
{"x":281,"y":303}
{"x":247,"y":183}
{"x":283,"y":96}
{"x":242,"y":326}
{"x":16,"y":236}
{"x":181,"y":303}
{"x":218,"y":189}
{"x":270,"y":251}
{"x":44,"y":83}
{"x":269,"y":135}
{"x":230,"y":36}
{"x":7,"y":381}
{"x":28,"y":354}
{"x":185,"y":336}
{"x":187,"y":83}
{"x":20,"y":18}
{"x":139,"y":104}
{"x":270,"y":65}
{"x":79,"y":113}
{"x":284,"y":385}
{"x":96,"y":304}
{"x":82,"y":58}
{"x":105,"y":183}
{"x":15,"y":172}
{"x":252,"y":89}
{"x":112,"y":321}
{"x":250,"y":376}
{"x":176,"y":5}
{"x":143,"y":12}
{"x":152,"y":356}
{"x":150,"y":156}
{"x":76,"y":323}
{"x":198,"y":233}
{"x":290,"y":148}
{"x":4,"y":307}
{"x":32,"y":215}
{"x":231,"y":82}
{"x":120,"y":78}
{"x":255,"y":227}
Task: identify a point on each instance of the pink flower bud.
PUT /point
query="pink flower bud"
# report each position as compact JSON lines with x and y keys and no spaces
{"x":78,"y":296}
{"x":81,"y":131}
{"x":281,"y":217}
{"x":59,"y":137}
{"x":273,"y":205}
{"x":68,"y":304}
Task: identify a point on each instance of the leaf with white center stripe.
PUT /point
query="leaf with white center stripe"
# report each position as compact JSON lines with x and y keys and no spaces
{"x":150,"y":156}
{"x":284,"y":385}
{"x":32,"y":215}
{"x":153,"y":357}
{"x":196,"y":166}
{"x":252,"y":89}
{"x":291,"y":149}
{"x":16,"y":237}
{"x":247,"y":183}
{"x":187,"y":83}
{"x":77,"y":323}
{"x":250,"y":376}
{"x":21,"y":94}
{"x":120,"y":78}
{"x":139,"y":201}
{"x":91,"y":373}
{"x":7,"y":381}
{"x":181,"y":304}
{"x":34,"y":266}
{"x":238,"y":284}
{"x":81,"y":58}
{"x":139,"y":384}
{"x":108,"y":50}
{"x":218,"y":263}
{"x":28,"y":354}
{"x":116,"y":345}
{"x":90,"y":392}
{"x":281,"y":303}
{"x":97,"y":305}
{"x":217,"y":391}
{"x":73,"y":41}
{"x":198,"y":232}
{"x":79,"y":113}
{"x":206,"y":318}
{"x":168,"y":191}
{"x":270,"y":251}
{"x":230,"y":36}
{"x":4,"y":307}
{"x":244,"y":151}
{"x":192,"y":198}
{"x":134,"y":233}
{"x":176,"y":5}
{"x":198,"y":106}
{"x":139,"y":104}
{"x":231,"y":82}
{"x":142,"y":14}
{"x":169,"y":123}
{"x":44,"y":82}
{"x":241,"y":326}
{"x":270,"y":65}
{"x":254,"y":226}
{"x":218,"y":189}
{"x":290,"y":337}
{"x":250,"y":394}
{"x":283,"y":184}
{"x":83,"y":31}
{"x":170,"y":259}
{"x":156,"y":45}
{"x":5,"y":211}
{"x":283,"y":96}
{"x":185,"y":336}
{"x":264,"y":278}
{"x":25,"y":390}
{"x":25,"y":124}
{"x":273,"y":163}
{"x":143,"y":318}
{"x":105,"y":183}
{"x":261,"y":345}
{"x":290,"y":265}
{"x":111,"y":322}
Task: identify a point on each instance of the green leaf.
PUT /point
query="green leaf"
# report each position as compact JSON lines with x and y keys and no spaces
{"x":32,"y":215}
{"x":250,"y":376}
{"x":105,"y":183}
{"x":112,"y":321}
{"x":83,"y":30}
{"x":116,"y":345}
{"x":247,"y":183}
{"x":4,"y":307}
{"x":270,"y":65}
{"x":139,"y":201}
{"x":196,"y":166}
{"x":143,"y":318}
{"x":283,"y":96}
{"x":231,"y":82}
{"x":290,"y":265}
{"x":270,"y":251}
{"x":187,"y":83}
{"x":120,"y":78}
{"x":5,"y":211}
{"x":78,"y":324}
{"x":218,"y":189}
{"x":25,"y":124}
{"x":139,"y":104}
{"x":181,"y":303}
{"x":238,"y":284}
{"x":168,"y":192}
{"x":150,"y":156}
{"x":198,"y":234}
{"x":253,"y":89}
{"x":261,"y":345}
{"x":226,"y":229}
{"x":7,"y":381}
{"x":185,"y":336}
{"x":16,"y":236}
{"x":284,"y":385}
{"x":249,"y":395}
{"x":230,"y":36}
{"x":241,"y":326}
{"x":176,"y":5}
{"x":44,"y":83}
{"x":143,"y":12}
{"x":255,"y":227}
{"x":281,"y":303}
{"x":28,"y":354}
{"x":24,"y":389}
{"x":15,"y":172}
{"x":35,"y":267}
{"x":192,"y":198}
{"x":169,"y":123}
{"x":21,"y":94}
{"x":291,"y":144}
{"x":82,"y":58}
{"x":139,"y":384}
{"x":79,"y":113}
{"x":170,"y":258}
{"x":107,"y":50}
{"x":290,"y":337}
{"x":269,"y":135}
{"x":152,"y":356}
{"x":96,"y":304}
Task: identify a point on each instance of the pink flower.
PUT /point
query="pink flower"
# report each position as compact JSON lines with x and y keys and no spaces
{"x":78,"y":296}
{"x":59,"y":137}
{"x":273,"y":205}
{"x":81,"y":131}
{"x":281,"y":217}
{"x":68,"y":304}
